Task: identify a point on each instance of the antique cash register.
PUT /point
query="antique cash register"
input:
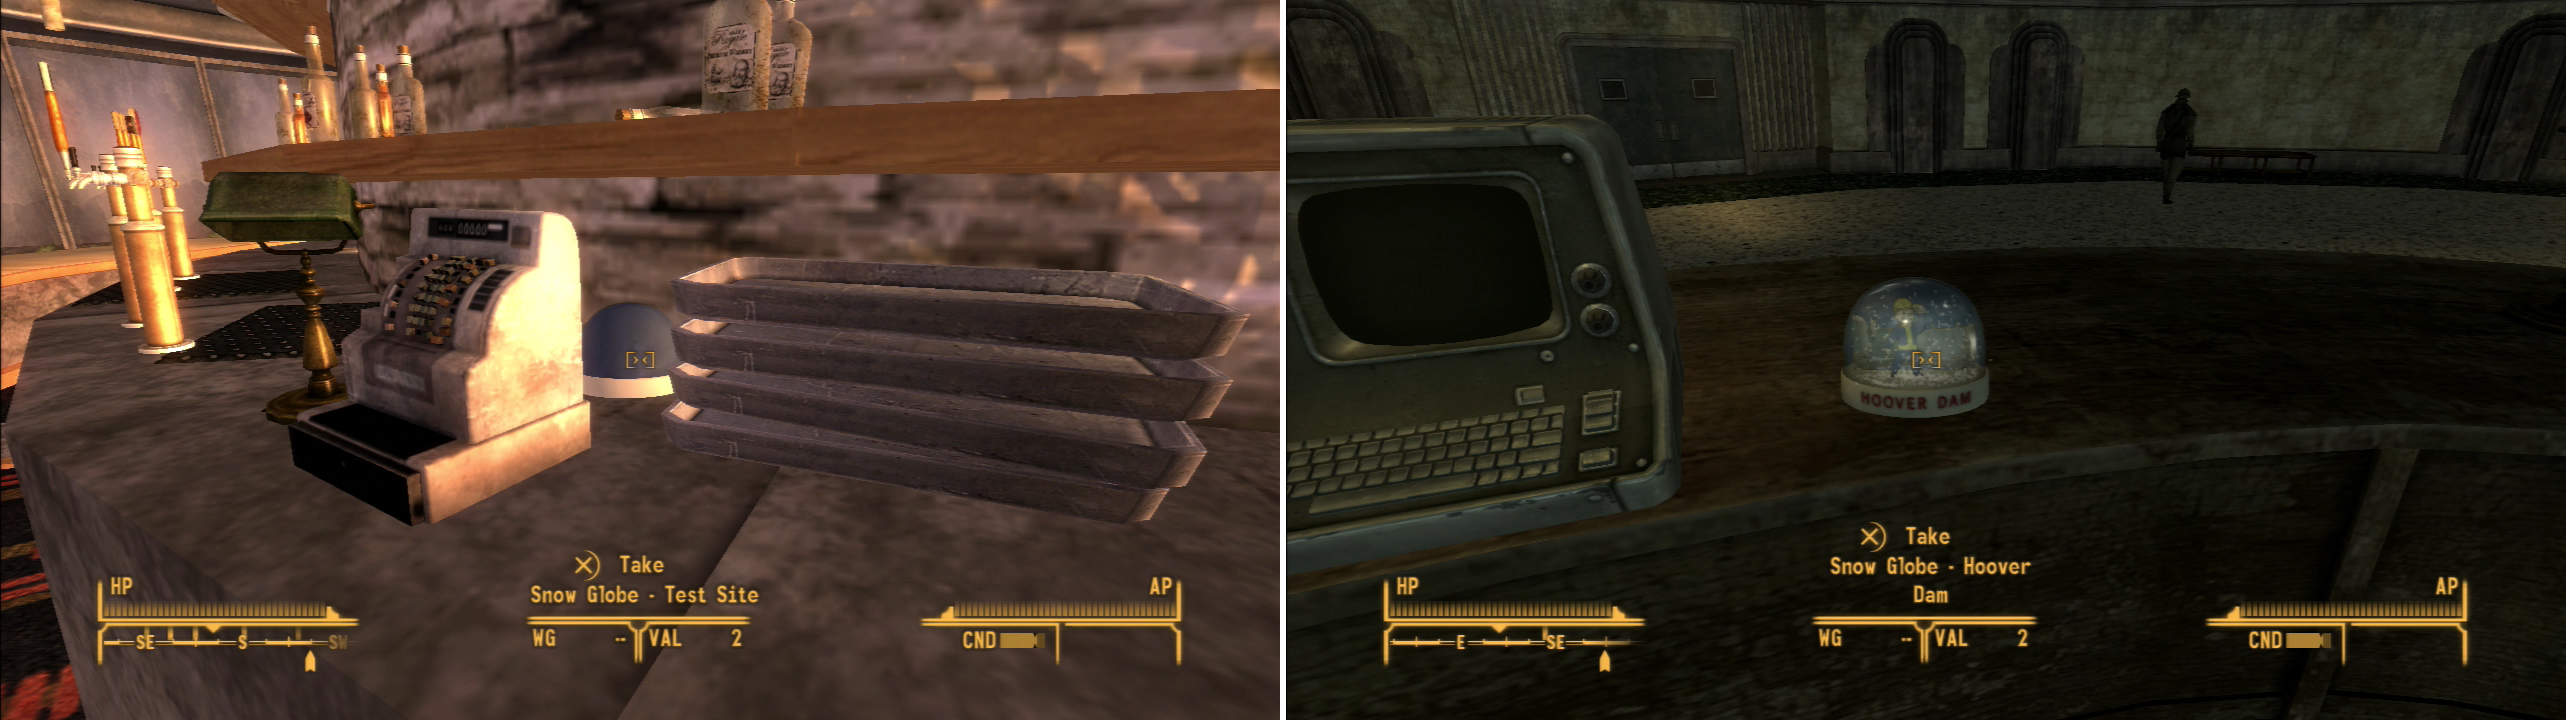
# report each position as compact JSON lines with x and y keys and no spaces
{"x":466,"y":380}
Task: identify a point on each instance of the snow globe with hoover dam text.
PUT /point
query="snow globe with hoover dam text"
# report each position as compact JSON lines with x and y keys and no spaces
{"x":1913,"y":347}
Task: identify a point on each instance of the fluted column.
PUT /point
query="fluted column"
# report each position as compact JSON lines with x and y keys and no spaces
{"x":1781,"y":90}
{"x":1514,"y":57}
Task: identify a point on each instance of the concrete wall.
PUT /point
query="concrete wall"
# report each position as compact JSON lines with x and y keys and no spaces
{"x":1505,"y":57}
{"x":164,"y":78}
{"x":2377,"y":77}
{"x":518,"y":63}
{"x":1450,"y":52}
{"x":92,"y":80}
{"x":26,"y":212}
{"x":2373,"y":81}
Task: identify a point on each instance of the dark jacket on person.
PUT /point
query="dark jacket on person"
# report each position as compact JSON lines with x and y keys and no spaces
{"x":2174,"y":130}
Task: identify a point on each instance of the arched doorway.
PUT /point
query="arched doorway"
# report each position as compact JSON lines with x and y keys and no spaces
{"x":2509,"y":108}
{"x":1342,"y":68}
{"x":1915,"y":105}
{"x":2036,"y":86}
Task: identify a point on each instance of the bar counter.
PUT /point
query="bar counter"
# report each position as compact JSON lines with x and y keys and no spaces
{"x":169,"y":474}
{"x":2101,"y":359}
{"x":2169,"y":433}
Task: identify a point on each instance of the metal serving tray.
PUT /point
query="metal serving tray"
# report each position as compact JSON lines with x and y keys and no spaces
{"x":772,"y":442}
{"x":1121,"y":451}
{"x":1086,"y":311}
{"x":1138,"y":388}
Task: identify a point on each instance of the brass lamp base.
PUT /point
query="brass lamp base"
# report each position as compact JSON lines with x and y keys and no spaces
{"x":319,"y":355}
{"x":285,"y":408}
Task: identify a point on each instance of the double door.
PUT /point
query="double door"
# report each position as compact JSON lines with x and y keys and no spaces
{"x":1675,"y":108}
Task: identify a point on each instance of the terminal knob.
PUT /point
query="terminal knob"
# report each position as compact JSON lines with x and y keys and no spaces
{"x":1600,"y":320}
{"x":1591,"y":280}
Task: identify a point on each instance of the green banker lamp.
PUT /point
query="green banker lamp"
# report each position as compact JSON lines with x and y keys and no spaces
{"x":292,"y":207}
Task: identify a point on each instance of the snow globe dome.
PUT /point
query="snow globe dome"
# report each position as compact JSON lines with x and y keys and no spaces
{"x":1913,"y":347}
{"x":628,"y":350}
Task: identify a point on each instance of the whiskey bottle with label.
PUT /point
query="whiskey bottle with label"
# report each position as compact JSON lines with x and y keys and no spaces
{"x":792,"y":60}
{"x":738,"y":54}
{"x":409,"y":100}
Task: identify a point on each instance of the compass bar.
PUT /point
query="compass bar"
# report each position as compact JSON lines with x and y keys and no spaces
{"x":1528,"y":611}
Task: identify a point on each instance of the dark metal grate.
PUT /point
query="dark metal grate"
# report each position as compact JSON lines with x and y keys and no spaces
{"x":263,"y":282}
{"x":272,"y":332}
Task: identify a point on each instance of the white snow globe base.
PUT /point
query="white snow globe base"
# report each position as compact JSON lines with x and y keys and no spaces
{"x":1915,"y":402}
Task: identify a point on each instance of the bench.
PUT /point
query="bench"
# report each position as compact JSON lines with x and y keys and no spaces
{"x":2258,"y":160}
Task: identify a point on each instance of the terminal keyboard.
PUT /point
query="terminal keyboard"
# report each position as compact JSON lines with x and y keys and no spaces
{"x":1371,"y":468}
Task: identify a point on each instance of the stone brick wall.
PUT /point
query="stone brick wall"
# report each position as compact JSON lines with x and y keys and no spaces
{"x":520,"y":63}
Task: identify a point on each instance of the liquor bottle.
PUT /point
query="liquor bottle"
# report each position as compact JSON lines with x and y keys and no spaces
{"x":360,"y":98}
{"x":285,"y":134}
{"x":305,"y":122}
{"x":409,"y":100}
{"x":382,"y":99}
{"x":792,"y":60}
{"x":738,"y":51}
{"x":321,"y":101}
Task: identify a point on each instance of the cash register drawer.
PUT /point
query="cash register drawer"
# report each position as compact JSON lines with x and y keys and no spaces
{"x":365,"y":453}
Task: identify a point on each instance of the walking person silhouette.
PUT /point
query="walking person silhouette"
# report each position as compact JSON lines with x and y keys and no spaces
{"x":2174,"y":138}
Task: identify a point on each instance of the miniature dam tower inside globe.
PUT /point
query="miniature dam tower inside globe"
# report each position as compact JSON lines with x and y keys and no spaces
{"x":1913,"y":347}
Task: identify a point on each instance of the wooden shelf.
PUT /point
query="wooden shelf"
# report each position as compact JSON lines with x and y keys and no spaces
{"x":1234,"y":131}
{"x":284,"y":22}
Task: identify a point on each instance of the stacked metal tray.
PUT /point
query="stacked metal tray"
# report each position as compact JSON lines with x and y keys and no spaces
{"x":1057,"y":390}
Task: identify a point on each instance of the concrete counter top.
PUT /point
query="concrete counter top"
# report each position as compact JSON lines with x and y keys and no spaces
{"x":2102,"y":359}
{"x":2170,"y":433}
{"x":170,"y":475}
